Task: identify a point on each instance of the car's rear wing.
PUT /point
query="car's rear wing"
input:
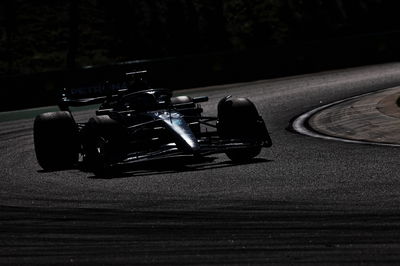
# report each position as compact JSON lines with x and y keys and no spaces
{"x":65,"y":103}
{"x":89,"y":95}
{"x":97,"y":94}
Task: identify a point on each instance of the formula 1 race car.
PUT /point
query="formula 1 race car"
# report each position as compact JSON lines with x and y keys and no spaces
{"x":140,"y":123}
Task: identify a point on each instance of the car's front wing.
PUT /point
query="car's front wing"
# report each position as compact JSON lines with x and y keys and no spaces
{"x":171,"y":150}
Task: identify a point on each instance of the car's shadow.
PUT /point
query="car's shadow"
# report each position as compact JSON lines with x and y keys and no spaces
{"x":173,"y":165}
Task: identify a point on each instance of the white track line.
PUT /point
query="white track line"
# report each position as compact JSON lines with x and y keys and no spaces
{"x":300,"y":125}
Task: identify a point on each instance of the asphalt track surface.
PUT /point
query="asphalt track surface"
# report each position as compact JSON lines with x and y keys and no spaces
{"x":305,"y":200}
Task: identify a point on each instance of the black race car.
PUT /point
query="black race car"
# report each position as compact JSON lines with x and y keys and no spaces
{"x":140,"y":123}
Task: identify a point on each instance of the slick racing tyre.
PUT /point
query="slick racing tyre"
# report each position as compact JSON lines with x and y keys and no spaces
{"x":56,"y":140}
{"x":103,"y":144}
{"x":238,"y":119}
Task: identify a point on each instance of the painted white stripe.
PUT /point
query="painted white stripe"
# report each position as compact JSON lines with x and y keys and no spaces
{"x":300,"y":125}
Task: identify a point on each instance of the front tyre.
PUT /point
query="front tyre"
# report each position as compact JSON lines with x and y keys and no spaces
{"x":56,"y":140}
{"x":238,"y":119}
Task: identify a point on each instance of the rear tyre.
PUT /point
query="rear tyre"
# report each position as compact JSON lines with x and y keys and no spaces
{"x":56,"y":140}
{"x":238,"y":118}
{"x":104,"y":140}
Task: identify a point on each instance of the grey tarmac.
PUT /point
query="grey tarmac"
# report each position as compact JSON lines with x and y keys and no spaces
{"x":305,"y":200}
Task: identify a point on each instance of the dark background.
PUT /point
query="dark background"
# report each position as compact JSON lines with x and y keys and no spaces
{"x":47,"y":45}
